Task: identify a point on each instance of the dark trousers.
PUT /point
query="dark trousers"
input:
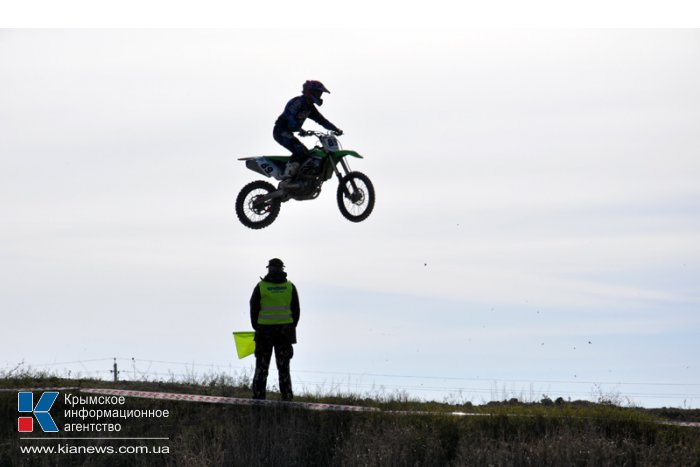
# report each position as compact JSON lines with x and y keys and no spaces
{"x":287,"y":139}
{"x":263,"y":354}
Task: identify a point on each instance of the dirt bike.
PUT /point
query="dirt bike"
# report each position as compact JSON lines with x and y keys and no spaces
{"x":258,"y":203}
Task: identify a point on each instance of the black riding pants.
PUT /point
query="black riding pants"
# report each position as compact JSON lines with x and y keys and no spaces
{"x":287,"y":139}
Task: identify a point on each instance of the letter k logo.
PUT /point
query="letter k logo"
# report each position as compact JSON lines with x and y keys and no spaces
{"x":25,"y":403}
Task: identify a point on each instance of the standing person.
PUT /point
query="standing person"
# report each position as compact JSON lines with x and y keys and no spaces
{"x":297,"y":110}
{"x":274,"y":314}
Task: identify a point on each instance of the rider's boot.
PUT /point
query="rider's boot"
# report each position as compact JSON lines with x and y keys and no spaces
{"x":289,"y":172}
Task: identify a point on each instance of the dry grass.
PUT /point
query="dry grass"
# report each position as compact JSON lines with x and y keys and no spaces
{"x":508,"y":433}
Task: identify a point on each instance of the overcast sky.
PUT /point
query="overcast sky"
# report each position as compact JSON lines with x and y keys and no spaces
{"x":536,"y":230}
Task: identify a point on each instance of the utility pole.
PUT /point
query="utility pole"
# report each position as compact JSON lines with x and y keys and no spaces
{"x":115,"y":371}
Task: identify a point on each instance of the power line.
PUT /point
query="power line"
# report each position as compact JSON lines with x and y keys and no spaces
{"x":448,"y":378}
{"x":389,"y":375}
{"x":72,"y":363}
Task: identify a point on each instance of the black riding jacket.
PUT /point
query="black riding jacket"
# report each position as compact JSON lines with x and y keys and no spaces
{"x":297,"y":110}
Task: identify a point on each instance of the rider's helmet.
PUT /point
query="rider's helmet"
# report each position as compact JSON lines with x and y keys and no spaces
{"x":313,"y":90}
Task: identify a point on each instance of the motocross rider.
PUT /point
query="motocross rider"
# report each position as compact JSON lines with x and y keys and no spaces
{"x":297,"y":110}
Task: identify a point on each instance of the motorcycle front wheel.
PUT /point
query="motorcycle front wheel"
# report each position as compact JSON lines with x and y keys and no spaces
{"x":355,"y":196}
{"x":251,"y":210}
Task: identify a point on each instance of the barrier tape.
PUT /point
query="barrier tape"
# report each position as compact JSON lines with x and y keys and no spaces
{"x":36,"y":389}
{"x":693,"y":424}
{"x":227,"y":400}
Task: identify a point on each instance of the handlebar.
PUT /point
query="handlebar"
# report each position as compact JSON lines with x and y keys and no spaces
{"x":304,"y":133}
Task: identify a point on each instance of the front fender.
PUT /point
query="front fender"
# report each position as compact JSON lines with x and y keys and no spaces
{"x":346,"y":152}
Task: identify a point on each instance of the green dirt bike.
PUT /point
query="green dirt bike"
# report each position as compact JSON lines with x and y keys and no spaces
{"x":258,"y":203}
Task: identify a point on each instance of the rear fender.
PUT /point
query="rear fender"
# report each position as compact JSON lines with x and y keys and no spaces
{"x":269,"y":166}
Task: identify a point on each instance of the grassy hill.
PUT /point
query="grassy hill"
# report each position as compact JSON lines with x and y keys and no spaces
{"x":402,"y":432}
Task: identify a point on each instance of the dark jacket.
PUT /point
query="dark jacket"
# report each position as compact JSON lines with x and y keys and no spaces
{"x":297,"y":110}
{"x":285,"y":330}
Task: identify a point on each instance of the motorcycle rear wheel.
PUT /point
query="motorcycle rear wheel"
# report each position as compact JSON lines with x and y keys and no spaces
{"x":355,"y":196}
{"x":256,"y":215}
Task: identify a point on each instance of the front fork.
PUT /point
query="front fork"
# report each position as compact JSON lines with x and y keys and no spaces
{"x":355,"y":192}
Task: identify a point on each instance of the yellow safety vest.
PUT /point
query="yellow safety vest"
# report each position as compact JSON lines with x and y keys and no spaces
{"x":275,"y":303}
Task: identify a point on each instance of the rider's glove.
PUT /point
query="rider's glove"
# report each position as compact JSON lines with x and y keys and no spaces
{"x":338,"y":132}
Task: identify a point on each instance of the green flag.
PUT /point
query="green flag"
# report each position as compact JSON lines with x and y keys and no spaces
{"x":245,"y":343}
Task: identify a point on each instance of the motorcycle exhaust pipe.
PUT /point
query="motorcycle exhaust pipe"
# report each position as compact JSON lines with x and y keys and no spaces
{"x":270,"y":196}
